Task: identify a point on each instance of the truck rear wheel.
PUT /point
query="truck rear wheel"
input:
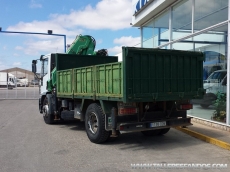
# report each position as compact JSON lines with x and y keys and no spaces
{"x":95,"y":124}
{"x":48,"y":118}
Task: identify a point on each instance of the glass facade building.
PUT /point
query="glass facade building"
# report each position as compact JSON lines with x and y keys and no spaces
{"x":193,"y":25}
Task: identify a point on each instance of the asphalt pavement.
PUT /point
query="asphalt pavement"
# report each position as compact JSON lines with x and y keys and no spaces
{"x":27,"y":144}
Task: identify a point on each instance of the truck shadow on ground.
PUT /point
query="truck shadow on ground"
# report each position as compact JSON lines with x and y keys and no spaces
{"x":137,"y":141}
{"x":174,"y":139}
{"x":73,"y":125}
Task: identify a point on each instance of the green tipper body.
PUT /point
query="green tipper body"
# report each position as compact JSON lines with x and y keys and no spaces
{"x":145,"y":75}
{"x":83,"y":45}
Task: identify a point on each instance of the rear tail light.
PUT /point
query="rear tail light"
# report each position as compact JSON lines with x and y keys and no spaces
{"x":125,"y":111}
{"x":186,"y":107}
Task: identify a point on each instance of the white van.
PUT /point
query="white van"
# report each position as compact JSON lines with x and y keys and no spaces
{"x":22,"y":82}
{"x":215,"y":83}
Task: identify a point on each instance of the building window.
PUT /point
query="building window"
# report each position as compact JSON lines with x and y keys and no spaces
{"x":147,"y":35}
{"x":209,"y":12}
{"x":181,"y":19}
{"x":212,"y":41}
{"x":161,"y":29}
{"x":156,"y":32}
{"x":213,"y":44}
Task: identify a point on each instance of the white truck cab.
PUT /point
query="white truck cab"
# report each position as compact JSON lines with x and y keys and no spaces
{"x":47,"y":64}
{"x":7,"y":80}
{"x":45,"y":72}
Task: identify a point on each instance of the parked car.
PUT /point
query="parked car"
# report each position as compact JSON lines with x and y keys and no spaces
{"x":22,"y":82}
{"x":34,"y":82}
{"x":215,"y":83}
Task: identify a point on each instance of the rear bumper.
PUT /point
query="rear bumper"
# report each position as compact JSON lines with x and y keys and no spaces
{"x":143,"y":126}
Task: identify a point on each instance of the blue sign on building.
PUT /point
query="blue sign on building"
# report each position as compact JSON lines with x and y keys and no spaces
{"x":140,"y":4}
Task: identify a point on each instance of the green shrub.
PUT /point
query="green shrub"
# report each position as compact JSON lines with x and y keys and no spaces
{"x":220,"y":107}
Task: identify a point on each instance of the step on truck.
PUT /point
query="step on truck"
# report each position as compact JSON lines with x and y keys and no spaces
{"x":148,"y":92}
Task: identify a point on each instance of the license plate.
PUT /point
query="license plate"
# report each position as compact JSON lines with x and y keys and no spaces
{"x":158,"y":124}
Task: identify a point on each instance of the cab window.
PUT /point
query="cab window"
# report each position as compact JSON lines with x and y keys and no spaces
{"x":44,"y":69}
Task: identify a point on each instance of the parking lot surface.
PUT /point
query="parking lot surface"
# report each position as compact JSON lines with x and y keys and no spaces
{"x":27,"y":144}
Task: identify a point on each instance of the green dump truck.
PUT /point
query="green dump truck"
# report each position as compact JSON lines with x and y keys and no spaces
{"x":148,"y":92}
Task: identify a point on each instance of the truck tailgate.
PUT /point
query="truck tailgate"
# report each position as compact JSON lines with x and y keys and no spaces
{"x":161,"y":75}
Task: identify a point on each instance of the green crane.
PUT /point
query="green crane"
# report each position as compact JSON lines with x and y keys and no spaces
{"x":82,"y":45}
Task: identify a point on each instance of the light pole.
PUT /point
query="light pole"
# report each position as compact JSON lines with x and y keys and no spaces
{"x":50,"y":32}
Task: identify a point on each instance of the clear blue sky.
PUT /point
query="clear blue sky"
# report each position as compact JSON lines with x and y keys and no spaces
{"x":108,"y":21}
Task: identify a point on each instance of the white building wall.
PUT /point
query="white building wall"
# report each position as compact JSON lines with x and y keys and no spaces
{"x":150,"y":9}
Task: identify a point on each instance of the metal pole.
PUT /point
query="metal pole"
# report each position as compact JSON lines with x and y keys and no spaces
{"x":16,"y":87}
{"x":195,"y":34}
{"x":228,"y":71}
{"x":65,"y":43}
{"x":170,"y":27}
{"x":193,"y":16}
{"x":141,"y":30}
{"x":7,"y":93}
{"x":35,"y":33}
{"x":25,"y":90}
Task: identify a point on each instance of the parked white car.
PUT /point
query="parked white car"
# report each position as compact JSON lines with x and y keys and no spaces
{"x":22,"y":82}
{"x":215,"y":83}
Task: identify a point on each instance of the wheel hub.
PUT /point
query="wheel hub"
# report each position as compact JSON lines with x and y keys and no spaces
{"x":93,"y":123}
{"x":45,"y":110}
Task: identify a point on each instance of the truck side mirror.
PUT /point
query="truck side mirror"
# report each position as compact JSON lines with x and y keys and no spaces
{"x":34,"y":66}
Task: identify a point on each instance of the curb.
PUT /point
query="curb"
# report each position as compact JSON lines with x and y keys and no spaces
{"x":213,"y":124}
{"x":205,"y":138}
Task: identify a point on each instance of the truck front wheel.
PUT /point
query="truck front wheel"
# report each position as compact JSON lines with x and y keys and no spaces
{"x":48,"y":118}
{"x":95,"y":124}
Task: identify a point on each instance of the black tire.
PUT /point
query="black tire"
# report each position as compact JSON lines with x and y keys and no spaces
{"x":48,"y":118}
{"x":163,"y":131}
{"x":204,"y":105}
{"x":208,"y":100}
{"x":95,"y":124}
{"x":10,"y":87}
{"x":150,"y":132}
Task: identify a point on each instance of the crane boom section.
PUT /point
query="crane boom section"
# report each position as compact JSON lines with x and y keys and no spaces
{"x":83,"y":45}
